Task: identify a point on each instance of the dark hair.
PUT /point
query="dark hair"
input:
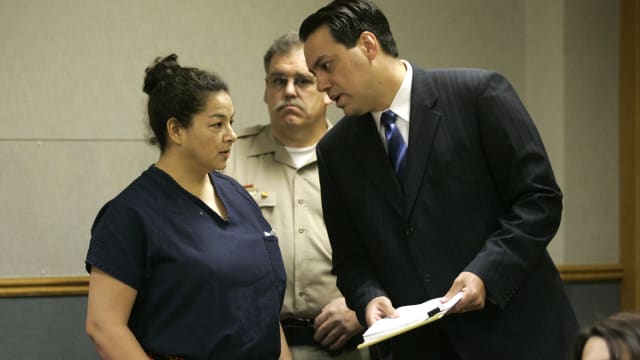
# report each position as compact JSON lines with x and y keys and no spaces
{"x":176,"y":92}
{"x":347,"y":19}
{"x":620,"y":331}
{"x":281,"y":45}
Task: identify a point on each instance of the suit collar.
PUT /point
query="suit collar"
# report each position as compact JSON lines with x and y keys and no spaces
{"x":423,"y":126}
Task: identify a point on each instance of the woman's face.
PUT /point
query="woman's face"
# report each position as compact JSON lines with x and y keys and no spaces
{"x":595,"y":349}
{"x":207,"y":141}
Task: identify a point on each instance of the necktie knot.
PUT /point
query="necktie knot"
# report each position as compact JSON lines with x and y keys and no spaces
{"x":388,"y":119}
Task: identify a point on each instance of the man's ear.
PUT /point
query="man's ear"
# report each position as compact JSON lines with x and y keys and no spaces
{"x":264,"y":97}
{"x":174,"y":131}
{"x":369,"y":43}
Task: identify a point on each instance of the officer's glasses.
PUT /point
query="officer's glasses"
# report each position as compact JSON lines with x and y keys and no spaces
{"x":302,"y":82}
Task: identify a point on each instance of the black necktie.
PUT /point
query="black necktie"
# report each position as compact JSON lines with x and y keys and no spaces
{"x":396,"y":147}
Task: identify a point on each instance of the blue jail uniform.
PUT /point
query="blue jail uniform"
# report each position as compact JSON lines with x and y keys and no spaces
{"x":208,"y":288}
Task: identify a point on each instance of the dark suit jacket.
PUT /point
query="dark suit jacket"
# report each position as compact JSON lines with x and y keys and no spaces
{"x":481,"y":197}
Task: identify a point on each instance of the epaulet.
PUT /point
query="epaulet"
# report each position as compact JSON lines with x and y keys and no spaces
{"x":250,"y":131}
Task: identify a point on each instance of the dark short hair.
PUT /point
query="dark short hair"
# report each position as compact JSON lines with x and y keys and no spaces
{"x":347,"y":19}
{"x":281,"y":45}
{"x":176,"y":92}
{"x":620,"y":331}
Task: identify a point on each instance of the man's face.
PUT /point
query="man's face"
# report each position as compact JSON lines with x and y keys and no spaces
{"x":342,"y":73}
{"x":291,"y":94}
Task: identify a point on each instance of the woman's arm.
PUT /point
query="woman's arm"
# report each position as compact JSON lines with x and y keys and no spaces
{"x":284,"y":347}
{"x":110,"y":303}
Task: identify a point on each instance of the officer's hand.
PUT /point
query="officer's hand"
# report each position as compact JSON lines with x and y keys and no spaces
{"x":336,"y":324}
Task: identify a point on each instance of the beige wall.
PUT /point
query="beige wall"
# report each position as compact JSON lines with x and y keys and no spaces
{"x":72,"y":132}
{"x":591,"y":167}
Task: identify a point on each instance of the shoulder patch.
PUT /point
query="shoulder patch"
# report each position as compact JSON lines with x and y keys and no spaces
{"x":250,"y":131}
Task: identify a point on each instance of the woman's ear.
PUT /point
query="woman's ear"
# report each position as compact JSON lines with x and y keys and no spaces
{"x":174,"y":131}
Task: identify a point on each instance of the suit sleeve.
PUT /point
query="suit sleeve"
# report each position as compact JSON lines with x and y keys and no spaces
{"x":351,"y":264}
{"x":527,"y":188}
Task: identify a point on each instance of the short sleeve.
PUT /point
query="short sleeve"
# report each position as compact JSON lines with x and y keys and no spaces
{"x":118,"y":244}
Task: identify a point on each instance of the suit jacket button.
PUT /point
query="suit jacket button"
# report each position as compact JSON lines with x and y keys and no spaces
{"x":409,"y":231}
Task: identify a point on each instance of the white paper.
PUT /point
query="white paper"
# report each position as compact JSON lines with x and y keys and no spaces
{"x":408,"y":315}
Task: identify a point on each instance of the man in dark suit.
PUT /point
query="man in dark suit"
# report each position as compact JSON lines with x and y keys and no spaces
{"x":451,"y":190}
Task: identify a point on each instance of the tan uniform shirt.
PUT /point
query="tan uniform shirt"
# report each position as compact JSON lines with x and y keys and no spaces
{"x":290,"y":200}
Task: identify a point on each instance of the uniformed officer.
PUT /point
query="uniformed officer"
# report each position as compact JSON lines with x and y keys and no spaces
{"x":277,"y":165}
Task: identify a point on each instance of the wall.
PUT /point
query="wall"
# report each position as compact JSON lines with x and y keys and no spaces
{"x":45,"y":328}
{"x":73,"y":129}
{"x":74,"y":124}
{"x":591,"y":122}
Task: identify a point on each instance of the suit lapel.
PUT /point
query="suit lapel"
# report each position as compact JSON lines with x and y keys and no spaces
{"x":371,"y":156}
{"x":423,"y":124}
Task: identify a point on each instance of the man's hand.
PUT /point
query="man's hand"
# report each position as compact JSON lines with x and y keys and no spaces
{"x":336,"y":324}
{"x":378,"y":308}
{"x":474,"y":293}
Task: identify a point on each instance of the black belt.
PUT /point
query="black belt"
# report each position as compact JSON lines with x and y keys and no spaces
{"x":300,"y":331}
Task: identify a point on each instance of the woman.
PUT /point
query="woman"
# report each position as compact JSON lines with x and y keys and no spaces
{"x":614,"y":338}
{"x":182,"y":264}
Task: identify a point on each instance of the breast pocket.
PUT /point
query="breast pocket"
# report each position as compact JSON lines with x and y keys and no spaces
{"x":275,"y":258}
{"x":452,"y":165}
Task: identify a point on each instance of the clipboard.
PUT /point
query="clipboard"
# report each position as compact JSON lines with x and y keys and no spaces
{"x":411,"y":317}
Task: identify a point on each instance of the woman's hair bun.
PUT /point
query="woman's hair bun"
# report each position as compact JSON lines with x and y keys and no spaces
{"x":161,"y":70}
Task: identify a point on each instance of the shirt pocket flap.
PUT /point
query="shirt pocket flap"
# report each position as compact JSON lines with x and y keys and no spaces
{"x":265,"y":198}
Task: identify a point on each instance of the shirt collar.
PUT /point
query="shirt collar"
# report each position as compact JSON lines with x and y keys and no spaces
{"x":265,"y":142}
{"x":401,"y":104}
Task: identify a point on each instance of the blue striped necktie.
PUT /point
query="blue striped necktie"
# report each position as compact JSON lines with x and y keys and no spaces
{"x":396,"y":147}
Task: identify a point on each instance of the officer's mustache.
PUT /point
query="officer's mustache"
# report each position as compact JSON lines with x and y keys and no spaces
{"x":295,"y":102}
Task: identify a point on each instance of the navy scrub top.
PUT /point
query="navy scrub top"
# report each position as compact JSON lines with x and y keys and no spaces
{"x":208,"y":288}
